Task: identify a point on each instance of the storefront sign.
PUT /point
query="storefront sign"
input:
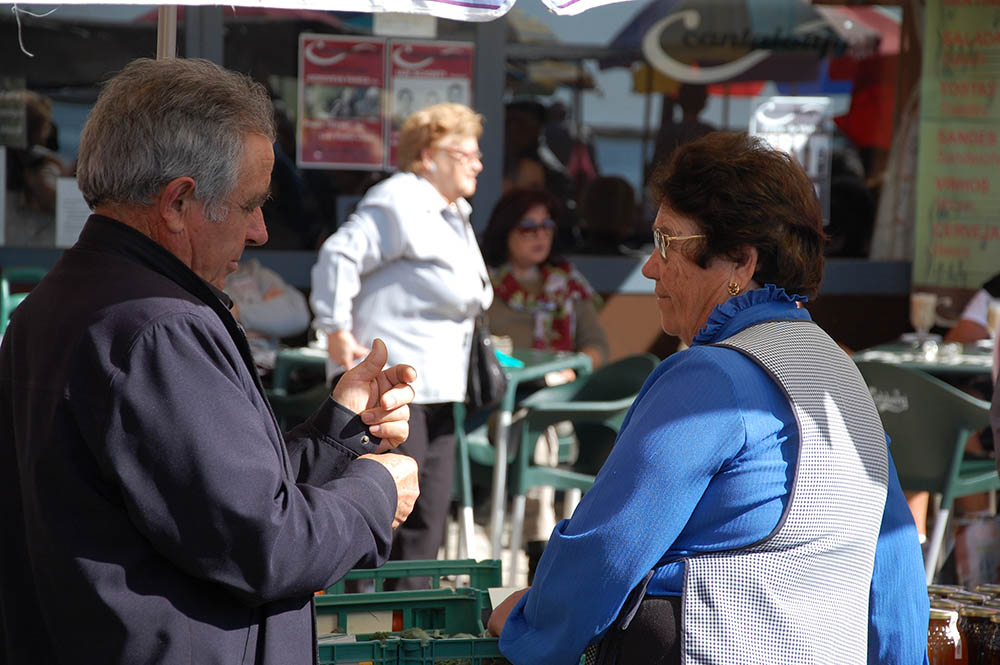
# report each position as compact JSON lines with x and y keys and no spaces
{"x":340,"y":113}
{"x":802,"y":127}
{"x":957,"y":239}
{"x":425,"y":73}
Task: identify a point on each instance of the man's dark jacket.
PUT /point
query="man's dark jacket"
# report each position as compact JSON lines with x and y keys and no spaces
{"x":152,"y":510}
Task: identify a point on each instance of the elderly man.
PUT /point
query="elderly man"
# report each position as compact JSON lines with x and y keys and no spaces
{"x":153,"y":511}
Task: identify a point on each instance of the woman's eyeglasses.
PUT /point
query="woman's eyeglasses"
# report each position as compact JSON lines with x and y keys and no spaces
{"x":465,"y":157}
{"x":527,"y":226}
{"x":662,"y":240}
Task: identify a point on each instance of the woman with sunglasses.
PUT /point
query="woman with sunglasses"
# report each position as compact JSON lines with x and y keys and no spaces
{"x":749,"y":512}
{"x":540,"y":301}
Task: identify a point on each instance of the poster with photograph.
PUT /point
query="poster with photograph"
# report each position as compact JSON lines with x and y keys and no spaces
{"x":422,"y":74}
{"x":340,"y":116}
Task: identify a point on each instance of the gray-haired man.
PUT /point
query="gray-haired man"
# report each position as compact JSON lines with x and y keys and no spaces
{"x":153,"y":512}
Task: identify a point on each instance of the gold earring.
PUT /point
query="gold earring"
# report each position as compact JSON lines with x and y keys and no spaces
{"x":734,"y":289}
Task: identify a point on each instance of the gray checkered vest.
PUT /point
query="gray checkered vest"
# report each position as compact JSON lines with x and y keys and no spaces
{"x":801,"y":594}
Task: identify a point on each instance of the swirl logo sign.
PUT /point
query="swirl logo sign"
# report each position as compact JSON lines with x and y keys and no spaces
{"x":812,"y":36}
{"x":318,"y":54}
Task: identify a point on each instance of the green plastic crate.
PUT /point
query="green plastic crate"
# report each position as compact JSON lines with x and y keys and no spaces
{"x":448,"y":610}
{"x":461,"y":651}
{"x":482,"y":574}
{"x":370,"y":652}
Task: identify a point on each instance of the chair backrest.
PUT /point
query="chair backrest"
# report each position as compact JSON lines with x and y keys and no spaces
{"x":295,"y":409}
{"x":928,"y":422}
{"x":9,"y":299}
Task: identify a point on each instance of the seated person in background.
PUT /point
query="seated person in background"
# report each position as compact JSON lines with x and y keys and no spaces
{"x":268,"y":308}
{"x":971,"y":326}
{"x":541,"y":301}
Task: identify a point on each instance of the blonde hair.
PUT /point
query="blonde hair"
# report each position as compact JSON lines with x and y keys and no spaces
{"x":431,"y":124}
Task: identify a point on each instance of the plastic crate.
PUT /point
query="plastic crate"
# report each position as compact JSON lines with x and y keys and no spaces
{"x":370,"y":652}
{"x":460,"y":651}
{"x":448,"y":610}
{"x":482,"y":574}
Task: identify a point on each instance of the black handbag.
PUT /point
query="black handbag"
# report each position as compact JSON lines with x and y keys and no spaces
{"x":487,"y":382}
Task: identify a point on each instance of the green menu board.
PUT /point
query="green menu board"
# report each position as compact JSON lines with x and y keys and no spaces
{"x":957,"y":239}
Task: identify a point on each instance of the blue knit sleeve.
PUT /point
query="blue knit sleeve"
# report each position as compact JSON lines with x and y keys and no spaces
{"x":898,"y":609}
{"x":682,"y":430}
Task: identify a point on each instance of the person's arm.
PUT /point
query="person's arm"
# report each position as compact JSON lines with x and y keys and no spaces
{"x":201,"y":470}
{"x":370,"y":236}
{"x":971,"y":325}
{"x":897,"y":606}
{"x":681,"y":431}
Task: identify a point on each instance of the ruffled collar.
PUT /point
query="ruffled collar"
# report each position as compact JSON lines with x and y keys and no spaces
{"x":720,"y":321}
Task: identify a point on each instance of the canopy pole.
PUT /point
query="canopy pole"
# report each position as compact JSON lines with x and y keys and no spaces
{"x":646,"y":122}
{"x":166,"y":32}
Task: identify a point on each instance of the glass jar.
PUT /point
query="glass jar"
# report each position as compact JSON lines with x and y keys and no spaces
{"x":944,"y":642}
{"x":993,"y":651}
{"x":975,"y":626}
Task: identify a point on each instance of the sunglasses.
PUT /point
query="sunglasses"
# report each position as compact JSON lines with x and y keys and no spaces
{"x":527,"y":226}
{"x":662,"y":240}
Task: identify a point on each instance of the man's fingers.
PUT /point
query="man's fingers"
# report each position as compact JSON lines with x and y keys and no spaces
{"x":392,"y":434}
{"x":394,"y":397}
{"x":395,"y":375}
{"x":372,"y":364}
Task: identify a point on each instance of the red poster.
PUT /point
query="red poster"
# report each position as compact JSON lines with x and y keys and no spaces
{"x":341,"y":121}
{"x":426,"y":73}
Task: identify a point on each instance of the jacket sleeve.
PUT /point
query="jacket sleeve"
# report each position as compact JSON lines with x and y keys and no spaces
{"x":898,"y":610}
{"x":372,"y":235}
{"x":203,"y":473}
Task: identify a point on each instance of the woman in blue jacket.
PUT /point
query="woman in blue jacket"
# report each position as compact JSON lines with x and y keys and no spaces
{"x":749,"y":511}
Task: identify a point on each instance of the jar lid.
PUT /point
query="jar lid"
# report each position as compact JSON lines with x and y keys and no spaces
{"x":992,"y":589}
{"x":977,"y":611}
{"x":946,"y":615}
{"x":945,"y":604}
{"x":992,"y":602}
{"x":968,"y":597}
{"x":995,"y":618}
{"x":943,"y":588}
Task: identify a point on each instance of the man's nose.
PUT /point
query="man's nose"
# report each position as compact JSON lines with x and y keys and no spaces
{"x":257,"y":231}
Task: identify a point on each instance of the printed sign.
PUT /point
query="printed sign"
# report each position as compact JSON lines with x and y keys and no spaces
{"x":957,"y":234}
{"x":340,"y":114}
{"x":422,"y":74}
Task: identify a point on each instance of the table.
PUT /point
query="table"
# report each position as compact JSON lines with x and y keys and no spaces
{"x":950,"y":359}
{"x":537,"y":364}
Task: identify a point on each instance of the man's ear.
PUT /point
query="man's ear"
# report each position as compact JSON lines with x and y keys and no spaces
{"x":175,"y":201}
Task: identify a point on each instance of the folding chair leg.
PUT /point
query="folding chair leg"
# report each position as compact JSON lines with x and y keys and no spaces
{"x":516,"y":527}
{"x":935,"y":543}
{"x":571,"y":501}
{"x":465,"y":532}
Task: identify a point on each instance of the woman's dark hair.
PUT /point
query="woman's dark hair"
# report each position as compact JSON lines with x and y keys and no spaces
{"x":742,"y":192}
{"x":507,"y":214}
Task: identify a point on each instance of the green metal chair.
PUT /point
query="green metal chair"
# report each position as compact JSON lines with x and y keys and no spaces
{"x":9,"y":298}
{"x":596,"y":405}
{"x":928,"y":422}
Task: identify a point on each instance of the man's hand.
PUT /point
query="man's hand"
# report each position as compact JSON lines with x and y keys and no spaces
{"x":499,"y":616}
{"x":380,"y":396}
{"x":404,"y":472}
{"x":343,"y":349}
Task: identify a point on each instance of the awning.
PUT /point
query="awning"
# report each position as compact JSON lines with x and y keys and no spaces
{"x":460,"y":10}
